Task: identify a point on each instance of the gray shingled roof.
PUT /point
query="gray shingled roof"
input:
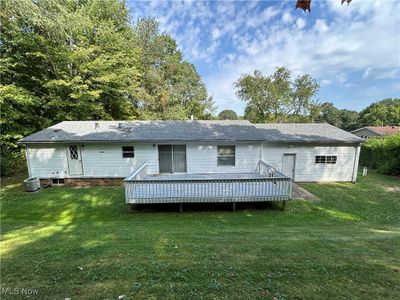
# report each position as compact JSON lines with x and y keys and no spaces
{"x":306,"y":133}
{"x":157,"y":131}
{"x":146,"y":131}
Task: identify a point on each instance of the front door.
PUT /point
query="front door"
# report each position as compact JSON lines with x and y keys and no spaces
{"x":74,"y":160}
{"x":289,"y":165}
{"x":172,"y":158}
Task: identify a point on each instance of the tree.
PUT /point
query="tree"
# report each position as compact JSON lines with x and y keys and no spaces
{"x":83,"y":60}
{"x":227,"y":114}
{"x":171,"y":87}
{"x":384,"y":112}
{"x":276,"y":97}
{"x":342,"y":118}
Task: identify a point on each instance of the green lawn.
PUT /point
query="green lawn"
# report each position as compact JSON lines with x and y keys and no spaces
{"x":83,"y":243}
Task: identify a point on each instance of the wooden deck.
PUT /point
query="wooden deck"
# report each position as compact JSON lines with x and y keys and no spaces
{"x":194,"y":188}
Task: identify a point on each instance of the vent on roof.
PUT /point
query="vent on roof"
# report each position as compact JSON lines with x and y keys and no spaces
{"x":120,"y":125}
{"x":57,"y":130}
{"x":96,"y":125}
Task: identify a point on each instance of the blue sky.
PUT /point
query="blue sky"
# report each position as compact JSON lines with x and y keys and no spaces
{"x":353,"y":51}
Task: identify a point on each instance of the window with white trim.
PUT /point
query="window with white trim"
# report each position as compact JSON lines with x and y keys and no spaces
{"x":325,"y":159}
{"x":128,"y":151}
{"x":226,"y":155}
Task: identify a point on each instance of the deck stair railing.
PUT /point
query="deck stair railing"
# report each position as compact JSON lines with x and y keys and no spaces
{"x":270,"y":186}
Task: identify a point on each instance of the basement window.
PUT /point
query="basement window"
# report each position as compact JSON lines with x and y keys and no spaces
{"x":128,"y":151}
{"x":325,"y":159}
{"x":226,"y":155}
{"x":57,"y":181}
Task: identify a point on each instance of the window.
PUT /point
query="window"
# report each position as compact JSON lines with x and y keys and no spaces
{"x":73,"y":152}
{"x":128,"y":151}
{"x":325,"y":159}
{"x":226,"y":155}
{"x":57,"y":181}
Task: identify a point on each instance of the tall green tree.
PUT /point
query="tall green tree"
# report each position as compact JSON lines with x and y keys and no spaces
{"x":384,"y":112}
{"x":342,"y":118}
{"x":171,"y":87}
{"x":80,"y":60}
{"x":227,"y":114}
{"x":277,"y":97}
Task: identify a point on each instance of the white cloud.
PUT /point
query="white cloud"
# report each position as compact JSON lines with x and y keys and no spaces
{"x":331,"y":43}
{"x":216,"y":33}
{"x":367,"y":72}
{"x":300,"y":23}
{"x":287,"y":17}
{"x":325,"y":82}
{"x":321,"y":26}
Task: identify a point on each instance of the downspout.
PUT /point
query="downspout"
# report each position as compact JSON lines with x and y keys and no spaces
{"x":355,"y":165}
{"x":28,"y":162}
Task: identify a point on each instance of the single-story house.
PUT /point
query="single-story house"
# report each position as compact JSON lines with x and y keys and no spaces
{"x":375,"y":131}
{"x":173,"y":161}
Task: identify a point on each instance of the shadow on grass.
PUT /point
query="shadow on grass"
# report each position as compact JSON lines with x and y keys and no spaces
{"x":204,"y":207}
{"x":83,"y":243}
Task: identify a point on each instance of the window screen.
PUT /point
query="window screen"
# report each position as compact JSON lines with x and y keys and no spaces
{"x":128,"y":151}
{"x":226,"y":155}
{"x":325,"y":159}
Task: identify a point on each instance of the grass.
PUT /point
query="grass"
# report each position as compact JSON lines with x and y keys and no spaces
{"x":83,"y":243}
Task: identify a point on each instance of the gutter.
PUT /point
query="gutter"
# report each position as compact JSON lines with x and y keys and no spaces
{"x":333,"y":142}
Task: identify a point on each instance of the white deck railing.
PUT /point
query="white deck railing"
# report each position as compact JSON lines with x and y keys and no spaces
{"x":270,"y":186}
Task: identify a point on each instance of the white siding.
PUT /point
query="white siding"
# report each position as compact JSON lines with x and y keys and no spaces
{"x":47,"y":161}
{"x":99,"y":160}
{"x":306,"y":169}
{"x":202,"y":158}
{"x":105,"y":160}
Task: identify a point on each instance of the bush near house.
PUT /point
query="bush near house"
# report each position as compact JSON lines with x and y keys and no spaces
{"x":382,"y":154}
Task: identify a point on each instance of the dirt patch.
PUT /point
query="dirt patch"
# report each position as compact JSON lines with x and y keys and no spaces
{"x":393,"y":189}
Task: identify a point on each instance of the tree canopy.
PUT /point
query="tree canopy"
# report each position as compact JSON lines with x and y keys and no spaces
{"x":82,"y":60}
{"x":277,"y":97}
{"x":342,"y":118}
{"x":384,"y":112}
{"x":227,"y":114}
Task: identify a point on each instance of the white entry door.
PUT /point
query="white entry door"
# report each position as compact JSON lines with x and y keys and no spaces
{"x":289,"y":165}
{"x":74,"y":160}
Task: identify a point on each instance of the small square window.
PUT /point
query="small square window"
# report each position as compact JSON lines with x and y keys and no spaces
{"x":128,"y":151}
{"x":57,"y":181}
{"x":325,"y":159}
{"x":226,"y":155}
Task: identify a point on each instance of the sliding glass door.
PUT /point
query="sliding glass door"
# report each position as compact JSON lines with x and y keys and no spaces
{"x":172,"y":158}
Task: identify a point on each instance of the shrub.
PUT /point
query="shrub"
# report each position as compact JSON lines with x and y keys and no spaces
{"x":382,"y":154}
{"x":12,"y":161}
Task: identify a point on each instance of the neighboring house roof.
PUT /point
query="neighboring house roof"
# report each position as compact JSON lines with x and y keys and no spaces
{"x":380,"y":130}
{"x":191,"y":131}
{"x":306,"y":133}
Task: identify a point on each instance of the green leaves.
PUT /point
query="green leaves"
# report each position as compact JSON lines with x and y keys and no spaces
{"x":276,"y":97}
{"x":83,"y":60}
{"x":171,"y":87}
{"x":384,"y":112}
